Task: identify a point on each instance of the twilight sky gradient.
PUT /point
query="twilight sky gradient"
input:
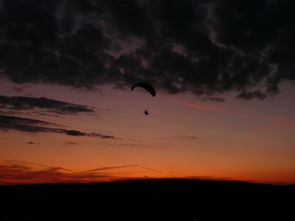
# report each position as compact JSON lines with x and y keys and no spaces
{"x":223,"y":71}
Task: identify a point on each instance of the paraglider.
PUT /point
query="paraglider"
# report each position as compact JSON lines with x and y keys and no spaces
{"x":146,"y":86}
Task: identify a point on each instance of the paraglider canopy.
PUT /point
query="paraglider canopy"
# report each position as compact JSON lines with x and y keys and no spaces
{"x":146,"y":86}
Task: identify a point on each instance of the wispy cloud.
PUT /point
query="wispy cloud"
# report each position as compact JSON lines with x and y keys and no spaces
{"x":112,"y":168}
{"x":151,"y":169}
{"x":189,"y":137}
{"x":263,"y":117}
{"x":39,"y":165}
{"x":38,"y":126}
{"x":71,"y":143}
{"x":22,"y":175}
{"x":277,"y":121}
{"x":42,"y":105}
{"x":18,"y":174}
{"x":215,"y":99}
{"x":31,"y":142}
{"x":200,"y":106}
{"x":25,"y":172}
{"x":288,"y":123}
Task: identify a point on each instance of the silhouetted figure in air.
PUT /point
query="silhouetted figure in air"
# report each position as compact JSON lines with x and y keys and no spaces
{"x":146,"y":112}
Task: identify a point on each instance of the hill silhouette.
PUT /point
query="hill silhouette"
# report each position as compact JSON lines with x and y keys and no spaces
{"x":149,"y":199}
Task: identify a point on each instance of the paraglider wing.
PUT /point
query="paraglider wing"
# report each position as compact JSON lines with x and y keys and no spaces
{"x":146,"y":86}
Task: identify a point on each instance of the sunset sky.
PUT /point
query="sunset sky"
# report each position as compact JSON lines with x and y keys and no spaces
{"x":223,"y":71}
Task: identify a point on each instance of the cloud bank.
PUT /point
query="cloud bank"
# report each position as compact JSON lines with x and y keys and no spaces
{"x":202,"y":47}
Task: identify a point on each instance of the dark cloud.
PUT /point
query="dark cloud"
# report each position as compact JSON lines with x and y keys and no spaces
{"x":31,"y":142}
{"x":42,"y":103}
{"x":197,"y":46}
{"x":103,"y":136}
{"x":24,"y":124}
{"x":37,"y":126}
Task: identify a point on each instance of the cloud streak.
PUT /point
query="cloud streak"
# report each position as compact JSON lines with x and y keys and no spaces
{"x":17,"y":174}
{"x":277,"y":122}
{"x":282,"y":124}
{"x":42,"y":103}
{"x":112,"y":168}
{"x":200,"y":106}
{"x":22,"y":174}
{"x":37,"y":126}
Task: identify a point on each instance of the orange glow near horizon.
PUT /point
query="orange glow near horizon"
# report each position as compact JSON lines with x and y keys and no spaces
{"x":17,"y":175}
{"x":181,"y":138}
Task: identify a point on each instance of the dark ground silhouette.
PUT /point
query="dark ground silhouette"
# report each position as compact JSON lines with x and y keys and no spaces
{"x":154,"y":199}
